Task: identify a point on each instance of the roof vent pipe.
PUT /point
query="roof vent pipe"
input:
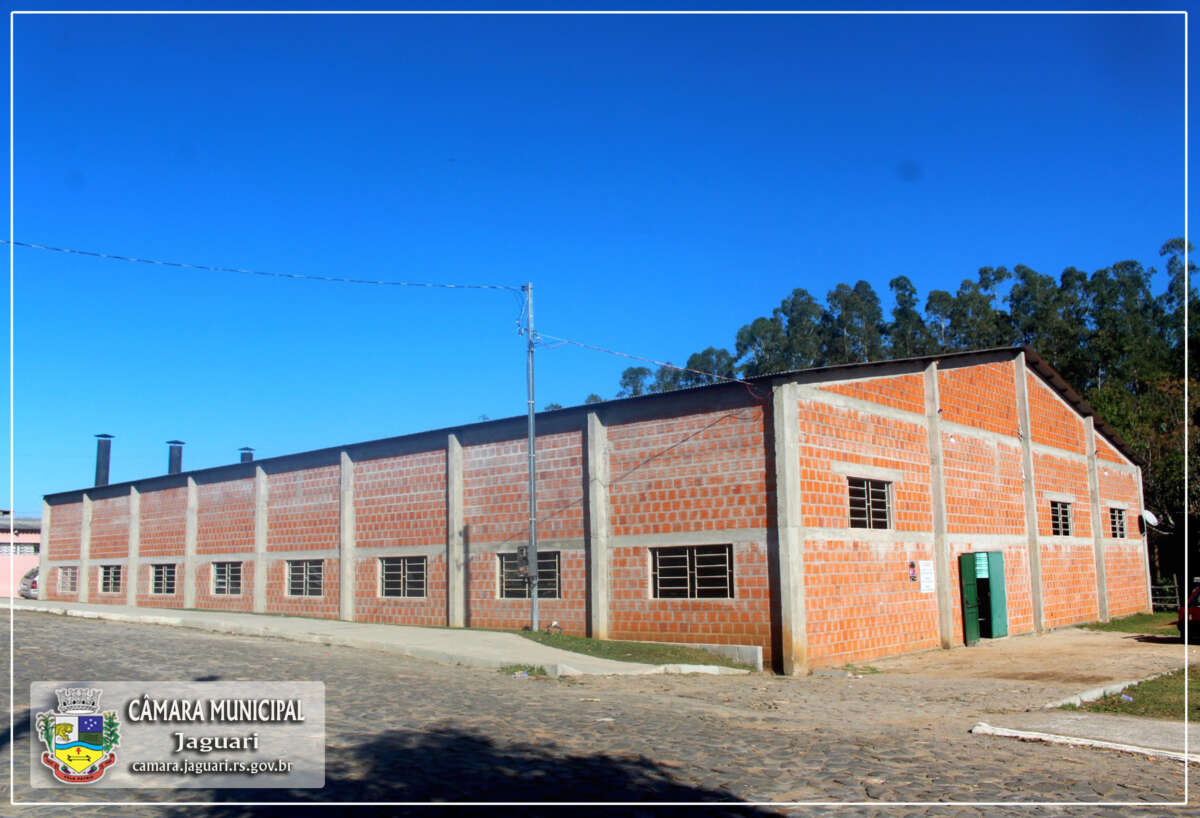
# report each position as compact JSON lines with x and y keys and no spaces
{"x":247,"y":454}
{"x":175,"y":457}
{"x":103,"y":451}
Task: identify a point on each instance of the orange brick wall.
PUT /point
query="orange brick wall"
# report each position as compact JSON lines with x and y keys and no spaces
{"x":303,"y":510}
{"x":205,"y":598}
{"x":485,"y":609}
{"x":110,"y":528}
{"x":905,"y":392}
{"x":65,"y":531}
{"x":1055,"y":474}
{"x":984,"y":489}
{"x":400,"y":501}
{"x":828,"y":433}
{"x":52,"y":591}
{"x":95,"y":596}
{"x":325,"y":606}
{"x":1068,"y":583}
{"x":1107,"y":452}
{"x":743,"y":620}
{"x":861,"y":603}
{"x":701,"y":472}
{"x":370,"y":606}
{"x":145,"y":599}
{"x":1051,"y":421}
{"x":1122,"y":487}
{"x":163,"y":523}
{"x":1018,"y":598}
{"x":225,"y":517}
{"x":982,"y":396}
{"x":1125,"y":577}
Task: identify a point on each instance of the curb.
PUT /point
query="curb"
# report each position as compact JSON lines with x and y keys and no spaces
{"x":1051,"y":738}
{"x":1094,"y":693}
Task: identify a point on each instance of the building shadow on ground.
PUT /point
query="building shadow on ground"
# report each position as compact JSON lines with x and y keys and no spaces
{"x":453,"y":765}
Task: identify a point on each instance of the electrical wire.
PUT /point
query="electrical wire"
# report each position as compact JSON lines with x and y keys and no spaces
{"x":299,"y":276}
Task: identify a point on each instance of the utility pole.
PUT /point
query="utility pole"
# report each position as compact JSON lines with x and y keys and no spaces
{"x":532,"y":564}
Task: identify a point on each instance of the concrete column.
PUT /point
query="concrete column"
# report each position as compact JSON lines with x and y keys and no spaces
{"x":599,"y":569}
{"x":190,"y":529}
{"x":937,"y":497}
{"x":789,"y":524}
{"x":1031,"y":531}
{"x":135,"y":544}
{"x":456,"y":556}
{"x":346,"y":539}
{"x":261,"y":487}
{"x":1187,"y":581}
{"x":85,"y":548}
{"x":1097,"y":530}
{"x":44,"y":551}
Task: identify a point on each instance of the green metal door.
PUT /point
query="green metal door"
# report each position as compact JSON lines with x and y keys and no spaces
{"x":999,"y":612}
{"x":970,"y":598}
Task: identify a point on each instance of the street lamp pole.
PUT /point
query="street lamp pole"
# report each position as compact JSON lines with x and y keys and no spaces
{"x":531,"y":565}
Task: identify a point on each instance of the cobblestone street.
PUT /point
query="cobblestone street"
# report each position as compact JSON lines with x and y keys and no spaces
{"x":407,"y":730}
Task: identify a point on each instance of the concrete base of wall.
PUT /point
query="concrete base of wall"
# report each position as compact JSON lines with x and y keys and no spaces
{"x":746,"y":654}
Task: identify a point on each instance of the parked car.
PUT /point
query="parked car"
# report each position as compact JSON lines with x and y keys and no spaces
{"x":29,"y":584}
{"x":1193,"y":616}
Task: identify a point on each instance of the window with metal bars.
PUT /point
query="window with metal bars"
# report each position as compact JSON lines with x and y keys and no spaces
{"x":1116,"y":521}
{"x":869,"y":503}
{"x":163,"y":581}
{"x":402,"y":576}
{"x":227,"y":578}
{"x":110,"y":579}
{"x":513,"y":572}
{"x":68,"y":579}
{"x":692,"y":572}
{"x":304,"y":577}
{"x":1060,"y":518}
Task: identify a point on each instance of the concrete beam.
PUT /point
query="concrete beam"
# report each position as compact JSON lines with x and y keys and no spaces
{"x":1031,"y":531}
{"x":788,"y":523}
{"x":456,"y":554}
{"x":85,"y":548}
{"x":135,"y":544}
{"x":1089,"y":426}
{"x":937,"y":497}
{"x":346,"y":538}
{"x":599,"y":541}
{"x":190,"y":530}
{"x":261,"y":487}
{"x":1146,"y":552}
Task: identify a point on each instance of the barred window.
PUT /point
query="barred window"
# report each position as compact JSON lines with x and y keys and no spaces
{"x":227,"y":578}
{"x":304,"y":577}
{"x":164,"y":579}
{"x":513,"y":571}
{"x":1060,"y":518}
{"x":68,"y":579}
{"x":1116,"y":521}
{"x":110,"y":579}
{"x":868,"y":503}
{"x":692,"y":572}
{"x":402,"y":576}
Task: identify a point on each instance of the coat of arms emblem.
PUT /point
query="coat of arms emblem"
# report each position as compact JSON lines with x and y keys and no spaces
{"x":78,"y":737}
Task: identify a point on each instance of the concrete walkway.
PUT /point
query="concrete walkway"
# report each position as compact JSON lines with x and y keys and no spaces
{"x":447,"y":645}
{"x":1129,"y":734}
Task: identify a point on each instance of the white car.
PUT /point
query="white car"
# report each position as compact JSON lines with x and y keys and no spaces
{"x":29,"y":584}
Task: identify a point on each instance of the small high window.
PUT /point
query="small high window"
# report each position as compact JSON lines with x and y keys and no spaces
{"x":304,"y":577}
{"x":1060,"y":518}
{"x":227,"y":578}
{"x":1116,"y":521}
{"x":692,"y":572}
{"x":163,"y":581}
{"x":869,"y":501}
{"x":402,"y":576}
{"x":513,"y":572}
{"x":110,"y":579}
{"x":68,"y":579}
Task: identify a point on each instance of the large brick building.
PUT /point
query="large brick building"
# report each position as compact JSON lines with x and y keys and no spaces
{"x":823,"y":515}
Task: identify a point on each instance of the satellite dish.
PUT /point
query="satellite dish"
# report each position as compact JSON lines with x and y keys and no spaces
{"x":1149,"y":517}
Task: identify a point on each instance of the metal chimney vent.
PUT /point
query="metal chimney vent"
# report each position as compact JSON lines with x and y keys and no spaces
{"x":103,"y":450}
{"x":175,"y":457}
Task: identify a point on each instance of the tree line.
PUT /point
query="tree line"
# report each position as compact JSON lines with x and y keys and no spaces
{"x":1119,"y":344}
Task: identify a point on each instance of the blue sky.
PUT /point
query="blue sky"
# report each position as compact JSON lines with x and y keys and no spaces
{"x":662,"y":180}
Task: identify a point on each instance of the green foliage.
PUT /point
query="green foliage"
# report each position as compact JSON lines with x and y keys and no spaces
{"x":111,"y":735}
{"x":550,"y":407}
{"x":593,"y":398}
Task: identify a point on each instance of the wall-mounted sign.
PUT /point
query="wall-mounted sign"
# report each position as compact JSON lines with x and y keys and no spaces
{"x":926,"y":571}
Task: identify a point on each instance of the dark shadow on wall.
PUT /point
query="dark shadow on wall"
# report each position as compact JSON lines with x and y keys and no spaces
{"x":773,"y":582}
{"x":449,"y":765}
{"x":466,"y":577}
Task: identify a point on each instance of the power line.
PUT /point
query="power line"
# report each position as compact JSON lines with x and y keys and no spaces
{"x":299,"y":276}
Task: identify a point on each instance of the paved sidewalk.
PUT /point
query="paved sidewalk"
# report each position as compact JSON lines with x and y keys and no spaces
{"x":449,"y":646}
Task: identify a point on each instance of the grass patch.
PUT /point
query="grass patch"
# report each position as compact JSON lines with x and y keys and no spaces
{"x":861,"y":670}
{"x":1160,"y":698}
{"x":1156,"y":624}
{"x":529,"y":670}
{"x":650,"y":653}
